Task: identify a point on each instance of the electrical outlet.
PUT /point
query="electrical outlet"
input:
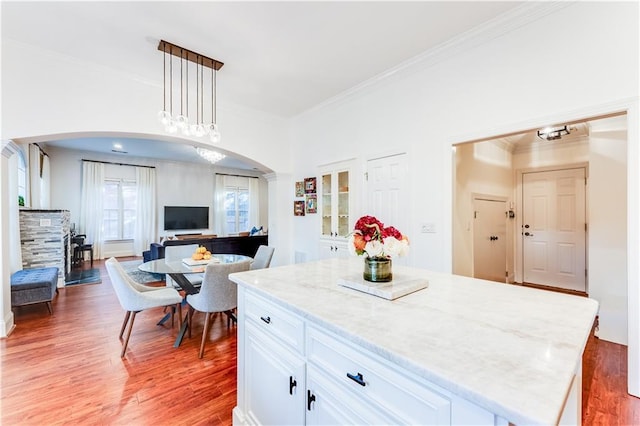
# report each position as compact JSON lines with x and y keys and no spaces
{"x":428,"y":228}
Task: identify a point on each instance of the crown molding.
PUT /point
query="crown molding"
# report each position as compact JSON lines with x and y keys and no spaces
{"x":9,"y":148}
{"x":479,"y":35}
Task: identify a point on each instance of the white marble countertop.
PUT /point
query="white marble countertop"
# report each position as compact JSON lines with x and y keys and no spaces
{"x":510,"y":349}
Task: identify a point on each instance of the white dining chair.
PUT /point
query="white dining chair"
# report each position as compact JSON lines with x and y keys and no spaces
{"x":177,"y":253}
{"x":135,"y":297}
{"x":217,"y":294}
{"x":263,"y":257}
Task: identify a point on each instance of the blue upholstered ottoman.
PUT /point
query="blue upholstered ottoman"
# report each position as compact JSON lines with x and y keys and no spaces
{"x":37,"y":285}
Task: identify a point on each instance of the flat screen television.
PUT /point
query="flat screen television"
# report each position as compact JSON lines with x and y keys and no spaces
{"x":183,"y":218}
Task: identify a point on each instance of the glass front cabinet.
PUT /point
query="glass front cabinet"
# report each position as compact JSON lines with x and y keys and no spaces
{"x":336,"y":207}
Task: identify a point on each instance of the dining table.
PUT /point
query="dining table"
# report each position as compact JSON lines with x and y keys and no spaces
{"x":178,"y":269}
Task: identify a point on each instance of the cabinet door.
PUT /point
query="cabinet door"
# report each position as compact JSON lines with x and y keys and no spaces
{"x":327,"y":205}
{"x":333,"y":248}
{"x":274,"y":381}
{"x":336,"y":203}
{"x":327,"y":404}
{"x":342,"y":203}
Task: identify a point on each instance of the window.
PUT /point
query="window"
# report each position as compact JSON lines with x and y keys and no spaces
{"x":22,"y":179}
{"x":119,"y":216}
{"x":236,"y":207}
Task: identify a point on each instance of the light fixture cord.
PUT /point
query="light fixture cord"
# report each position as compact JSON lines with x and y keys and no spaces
{"x":164,"y":78}
{"x":181,"y":84}
{"x":201,"y":90}
{"x":171,"y":83}
{"x":198,"y":90}
{"x":187,"y":83}
{"x":213,"y":92}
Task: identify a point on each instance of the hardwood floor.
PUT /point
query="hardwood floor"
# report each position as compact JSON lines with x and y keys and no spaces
{"x":66,"y":369}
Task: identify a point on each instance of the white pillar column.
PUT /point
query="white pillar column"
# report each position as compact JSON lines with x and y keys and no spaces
{"x":280,"y":217}
{"x":6,"y":315}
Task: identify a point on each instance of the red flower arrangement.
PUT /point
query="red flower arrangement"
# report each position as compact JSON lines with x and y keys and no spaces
{"x":371,"y":238}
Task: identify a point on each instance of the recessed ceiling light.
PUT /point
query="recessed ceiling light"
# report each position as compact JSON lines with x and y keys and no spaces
{"x":117,"y":145}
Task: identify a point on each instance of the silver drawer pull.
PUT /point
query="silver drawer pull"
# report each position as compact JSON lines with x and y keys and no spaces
{"x":357,"y":378}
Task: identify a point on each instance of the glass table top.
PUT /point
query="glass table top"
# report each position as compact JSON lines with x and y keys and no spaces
{"x":161,"y":266}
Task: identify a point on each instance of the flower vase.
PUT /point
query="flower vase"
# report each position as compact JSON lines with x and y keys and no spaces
{"x":377,"y":269}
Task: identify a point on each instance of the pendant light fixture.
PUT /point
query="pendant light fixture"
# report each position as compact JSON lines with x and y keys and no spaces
{"x":181,"y":122}
{"x":214,"y":133}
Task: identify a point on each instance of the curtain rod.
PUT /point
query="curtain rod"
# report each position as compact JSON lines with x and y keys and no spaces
{"x":227,"y":174}
{"x":118,"y":164}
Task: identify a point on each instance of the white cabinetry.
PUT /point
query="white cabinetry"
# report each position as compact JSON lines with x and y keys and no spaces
{"x":336,"y":207}
{"x":334,"y":247}
{"x":336,"y":199}
{"x":293,"y":371}
{"x":274,"y":381}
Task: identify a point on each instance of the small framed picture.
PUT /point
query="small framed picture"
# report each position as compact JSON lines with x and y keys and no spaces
{"x":312,"y":203}
{"x":298,"y":208}
{"x":300,"y":189}
{"x":310,"y":185}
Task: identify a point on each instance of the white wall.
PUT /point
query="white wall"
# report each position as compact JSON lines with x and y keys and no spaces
{"x":501,"y":86}
{"x":45,"y":93}
{"x":497,"y":87}
{"x":177,"y":184}
{"x":483,"y":168}
{"x":608,"y":232}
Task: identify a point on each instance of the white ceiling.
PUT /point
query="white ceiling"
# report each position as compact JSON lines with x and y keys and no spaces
{"x":282,"y":58}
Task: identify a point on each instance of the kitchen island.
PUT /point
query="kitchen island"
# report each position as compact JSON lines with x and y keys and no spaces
{"x":461,"y":351}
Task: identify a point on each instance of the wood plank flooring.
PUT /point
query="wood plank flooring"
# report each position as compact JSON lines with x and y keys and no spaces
{"x":66,"y":369}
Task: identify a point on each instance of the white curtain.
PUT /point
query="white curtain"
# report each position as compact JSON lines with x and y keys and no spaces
{"x":218,"y":208}
{"x":15,"y":254}
{"x":146,"y":228}
{"x":34,"y":185}
{"x":45,"y":184}
{"x":254,"y":202}
{"x":39,"y":179}
{"x":91,"y":211}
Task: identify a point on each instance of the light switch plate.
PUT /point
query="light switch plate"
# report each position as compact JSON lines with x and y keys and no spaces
{"x":428,"y":228}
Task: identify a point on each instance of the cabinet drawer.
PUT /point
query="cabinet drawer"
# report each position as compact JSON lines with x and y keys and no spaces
{"x":275,"y":321}
{"x":400,"y":397}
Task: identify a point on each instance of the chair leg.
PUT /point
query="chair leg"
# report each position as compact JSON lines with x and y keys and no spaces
{"x":190,"y":319}
{"x":126,"y":340}
{"x":179,"y":315}
{"x":205,"y":332}
{"x":124,"y":323}
{"x":50,"y":308}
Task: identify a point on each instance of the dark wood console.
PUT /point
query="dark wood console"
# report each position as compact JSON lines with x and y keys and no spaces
{"x":247,"y":246}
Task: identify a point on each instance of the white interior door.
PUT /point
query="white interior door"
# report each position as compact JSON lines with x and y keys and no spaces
{"x":387,"y":191}
{"x":490,"y":239}
{"x":554,"y":228}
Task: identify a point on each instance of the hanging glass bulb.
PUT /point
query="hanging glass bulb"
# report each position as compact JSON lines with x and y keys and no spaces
{"x":214,"y":133}
{"x":198,"y":130}
{"x":182,"y":121}
{"x":164,"y":117}
{"x":171,"y":126}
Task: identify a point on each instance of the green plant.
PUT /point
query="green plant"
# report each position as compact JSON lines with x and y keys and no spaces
{"x":20,"y":200}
